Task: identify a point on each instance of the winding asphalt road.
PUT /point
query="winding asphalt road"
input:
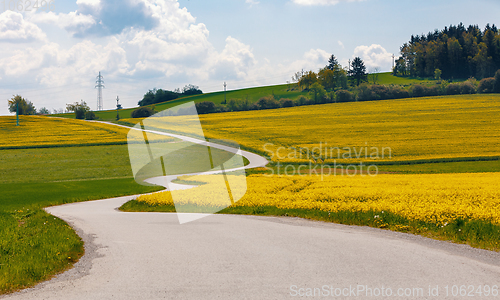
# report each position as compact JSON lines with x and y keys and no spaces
{"x":152,"y":256}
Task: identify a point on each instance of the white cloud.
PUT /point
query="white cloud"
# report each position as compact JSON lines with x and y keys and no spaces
{"x":251,"y":2}
{"x":88,"y":2}
{"x":321,"y":2}
{"x":176,"y":49}
{"x":341,"y":44}
{"x":175,"y":45}
{"x":73,"y":22}
{"x":104,"y":17}
{"x":316,"y":56}
{"x":374,"y":56}
{"x":52,"y":66}
{"x":313,"y":60}
{"x":234,"y":62}
{"x":14,"y":28}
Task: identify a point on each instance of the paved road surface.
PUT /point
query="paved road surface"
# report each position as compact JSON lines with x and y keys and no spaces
{"x":151,"y":256}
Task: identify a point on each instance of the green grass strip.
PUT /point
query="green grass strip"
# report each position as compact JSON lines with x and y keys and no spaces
{"x":34,"y":246}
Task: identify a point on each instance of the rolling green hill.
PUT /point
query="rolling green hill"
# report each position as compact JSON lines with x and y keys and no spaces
{"x":289,"y":91}
{"x":252,"y":94}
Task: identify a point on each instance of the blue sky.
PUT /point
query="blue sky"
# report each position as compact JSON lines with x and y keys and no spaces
{"x":52,"y":58}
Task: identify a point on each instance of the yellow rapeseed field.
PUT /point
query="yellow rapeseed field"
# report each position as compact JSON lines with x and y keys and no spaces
{"x":37,"y":131}
{"x":449,"y":127}
{"x":433,"y":198}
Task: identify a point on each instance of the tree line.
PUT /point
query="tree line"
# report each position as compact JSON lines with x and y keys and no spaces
{"x":452,"y":53}
{"x":25,"y":107}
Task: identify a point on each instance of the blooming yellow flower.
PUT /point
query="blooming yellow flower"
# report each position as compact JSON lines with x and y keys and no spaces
{"x":434,"y":198}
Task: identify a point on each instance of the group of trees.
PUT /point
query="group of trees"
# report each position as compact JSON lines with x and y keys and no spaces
{"x":25,"y":107}
{"x":332,"y":77}
{"x":143,"y":112}
{"x":454,"y":52}
{"x":81,"y":110}
{"x":159,"y":95}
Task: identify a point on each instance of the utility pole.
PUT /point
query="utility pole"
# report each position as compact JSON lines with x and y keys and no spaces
{"x":225,"y":85}
{"x":99,"y":86}
{"x":393,"y":61}
{"x":118,"y":107}
{"x":17,"y":113}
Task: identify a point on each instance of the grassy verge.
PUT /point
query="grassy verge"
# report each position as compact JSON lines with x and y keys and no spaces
{"x":33,"y":247}
{"x":476,"y":233}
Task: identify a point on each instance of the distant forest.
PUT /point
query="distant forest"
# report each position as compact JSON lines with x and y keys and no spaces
{"x":452,"y":53}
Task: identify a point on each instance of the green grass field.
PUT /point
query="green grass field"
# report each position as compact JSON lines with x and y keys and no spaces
{"x":387,"y":78}
{"x":64,"y":163}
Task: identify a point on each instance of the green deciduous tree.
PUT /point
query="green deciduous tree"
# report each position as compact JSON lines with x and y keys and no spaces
{"x":142,"y":112}
{"x":437,"y":74}
{"x":79,"y":108}
{"x":307,"y":80}
{"x":326,"y":77}
{"x":90,"y":115}
{"x":332,"y":76}
{"x":454,"y":56}
{"x":190,"y":89}
{"x":43,"y":111}
{"x":205,"y":107}
{"x":318,"y":93}
{"x":399,"y":67}
{"x":25,"y":106}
